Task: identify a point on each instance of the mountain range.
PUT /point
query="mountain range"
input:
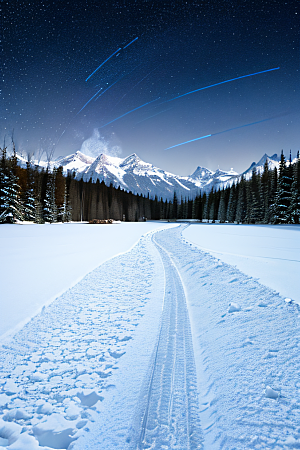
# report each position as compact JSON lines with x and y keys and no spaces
{"x":133,"y":174}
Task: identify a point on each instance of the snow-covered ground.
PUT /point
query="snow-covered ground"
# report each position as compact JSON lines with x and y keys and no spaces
{"x":270,"y":253}
{"x":39,"y":262}
{"x":162,"y":347}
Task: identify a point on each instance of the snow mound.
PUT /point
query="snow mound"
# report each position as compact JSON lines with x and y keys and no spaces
{"x":270,"y":393}
{"x":234,"y":307}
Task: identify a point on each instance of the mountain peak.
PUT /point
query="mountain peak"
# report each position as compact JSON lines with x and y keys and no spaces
{"x":262,"y":160}
{"x":130,"y":160}
{"x":200,"y":173}
{"x":138,"y":176}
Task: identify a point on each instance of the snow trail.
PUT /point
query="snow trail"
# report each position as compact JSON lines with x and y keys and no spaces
{"x":164,"y":347}
{"x":56,"y":373}
{"x":246,"y":341}
{"x":168,"y":415}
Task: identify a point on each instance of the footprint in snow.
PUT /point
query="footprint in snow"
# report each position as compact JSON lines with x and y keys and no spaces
{"x":262,"y":304}
{"x":247,"y":342}
{"x":116,"y":354}
{"x":234,"y":307}
{"x":125,"y":338}
{"x":271,"y":393}
{"x":234,"y":280}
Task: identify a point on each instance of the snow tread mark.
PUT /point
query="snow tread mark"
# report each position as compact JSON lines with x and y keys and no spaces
{"x":240,"y":353}
{"x":169,"y":415}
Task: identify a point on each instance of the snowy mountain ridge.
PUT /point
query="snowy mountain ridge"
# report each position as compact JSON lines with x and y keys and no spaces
{"x":140,"y":177}
{"x":131,"y":173}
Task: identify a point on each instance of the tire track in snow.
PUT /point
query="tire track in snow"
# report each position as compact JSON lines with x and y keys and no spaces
{"x":246,"y":345}
{"x":168,"y":413}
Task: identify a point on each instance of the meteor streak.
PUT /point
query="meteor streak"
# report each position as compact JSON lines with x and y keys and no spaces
{"x":146,"y":76}
{"x":187,"y":142}
{"x":135,"y":39}
{"x":89,"y":101}
{"x":108,"y":88}
{"x":154,"y":115}
{"x":102,"y":64}
{"x":108,"y":123}
{"x":225,"y":131}
{"x":247,"y":125}
{"x":221,"y":82}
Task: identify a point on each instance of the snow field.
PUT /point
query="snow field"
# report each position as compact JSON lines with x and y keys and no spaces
{"x":116,"y":362}
{"x":56,"y":372}
{"x":270,"y":253}
{"x":39,"y":262}
{"x":246,"y":343}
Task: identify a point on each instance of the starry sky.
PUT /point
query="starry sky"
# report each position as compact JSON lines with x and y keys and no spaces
{"x":112,"y":75}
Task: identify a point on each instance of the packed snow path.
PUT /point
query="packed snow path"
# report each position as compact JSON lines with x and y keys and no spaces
{"x":56,"y":373}
{"x":169,"y":409}
{"x":246,"y":341}
{"x":98,"y":368}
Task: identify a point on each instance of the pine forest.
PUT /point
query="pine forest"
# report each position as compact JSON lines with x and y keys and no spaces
{"x":40,"y":195}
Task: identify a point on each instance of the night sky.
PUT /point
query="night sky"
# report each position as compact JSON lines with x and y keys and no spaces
{"x":97,"y":75}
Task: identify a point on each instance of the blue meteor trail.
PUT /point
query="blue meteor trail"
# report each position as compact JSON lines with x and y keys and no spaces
{"x":136,"y":85}
{"x":225,"y":131}
{"x":221,"y":82}
{"x":89,"y":101}
{"x":102,"y":64}
{"x":109,"y":87}
{"x":247,"y":125}
{"x":187,"y":142}
{"x":154,"y":115}
{"x":129,"y":112}
{"x":135,"y":39}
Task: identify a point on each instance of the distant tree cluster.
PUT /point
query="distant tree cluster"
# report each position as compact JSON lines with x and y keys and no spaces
{"x":40,"y":195}
{"x":33,"y":194}
{"x":270,"y":197}
{"x":43,"y":196}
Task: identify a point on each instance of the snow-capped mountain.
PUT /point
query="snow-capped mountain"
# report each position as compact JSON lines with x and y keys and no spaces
{"x":273,"y":161}
{"x":138,"y":176}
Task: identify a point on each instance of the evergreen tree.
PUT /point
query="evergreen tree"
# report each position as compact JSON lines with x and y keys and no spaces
{"x":205,"y":207}
{"x":67,"y":214}
{"x":28,"y":197}
{"x":50,"y":208}
{"x":255,"y":199}
{"x":222,"y":208}
{"x":180,"y":209}
{"x":241,"y":206}
{"x":272,"y":196}
{"x":197,"y":207}
{"x":211,"y":205}
{"x":294,"y":208}
{"x":211,"y":215}
{"x":60,"y":194}
{"x":3,"y":174}
{"x":11,"y":206}
{"x":232,"y":204}
{"x":175,"y":206}
{"x":265,"y":190}
{"x":283,"y":194}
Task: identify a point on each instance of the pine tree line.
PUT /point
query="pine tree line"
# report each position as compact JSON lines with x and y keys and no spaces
{"x":32,"y":194}
{"x":271,"y":197}
{"x":41,"y":195}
